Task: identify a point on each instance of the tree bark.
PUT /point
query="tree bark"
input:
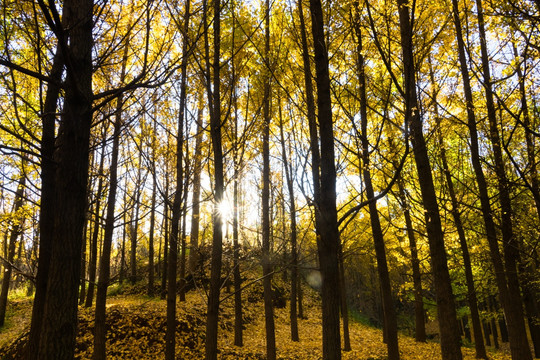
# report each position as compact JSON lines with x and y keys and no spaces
{"x":196,"y":195}
{"x":60,"y":316}
{"x":100,"y":334}
{"x":419,"y":313}
{"x":214,"y":95}
{"x":151,"y":267}
{"x":16,"y":230}
{"x":516,"y":338}
{"x":293,"y":235}
{"x":166,"y":230}
{"x":328,"y":246}
{"x":265,"y":198}
{"x":134,"y":224}
{"x":92,"y":266}
{"x":530,"y":294}
{"x":46,"y":213}
{"x":237,"y":163}
{"x":519,"y":346}
{"x":471,"y":291}
{"x":446,"y":311}
{"x":390,"y":320}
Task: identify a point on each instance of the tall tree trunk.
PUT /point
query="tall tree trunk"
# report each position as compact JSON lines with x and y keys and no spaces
{"x":446,"y":310}
{"x":328,"y":228}
{"x":511,"y":308}
{"x":313,"y":137}
{"x":237,"y":163}
{"x":92,"y":266}
{"x":84,"y":280}
{"x":125,"y":230}
{"x":195,"y":209}
{"x":180,"y":143}
{"x":46,"y":213}
{"x":57,"y":340}
{"x":516,"y":322}
{"x":343,"y":298}
{"x":311,"y":115}
{"x":134,"y":224}
{"x":182,"y":284}
{"x":265,"y":198}
{"x":214,"y":95}
{"x":471,"y":291}
{"x":493,"y":322}
{"x":531,"y":294}
{"x":165,"y":239}
{"x":390,"y":320}
{"x":100,"y":334}
{"x":238,"y":317}
{"x":151,"y":271}
{"x":16,"y":230}
{"x":293,"y":235}
{"x":419,"y":313}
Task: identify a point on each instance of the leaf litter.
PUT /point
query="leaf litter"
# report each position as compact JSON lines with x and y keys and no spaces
{"x":136,"y":328}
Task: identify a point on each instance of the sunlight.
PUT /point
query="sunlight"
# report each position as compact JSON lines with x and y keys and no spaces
{"x":225,"y":210}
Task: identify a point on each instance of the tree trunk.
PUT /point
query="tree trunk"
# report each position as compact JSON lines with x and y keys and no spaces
{"x":92,"y":265}
{"x":237,"y":163}
{"x":182,"y":284}
{"x":214,"y":95}
{"x":343,"y":298}
{"x":100,"y":334}
{"x":313,"y":137}
{"x":328,"y":228}
{"x":57,"y":340}
{"x":125,"y":230}
{"x":419,"y":313}
{"x":530,"y":293}
{"x":471,"y":291}
{"x":294,"y":253}
{"x":511,"y":309}
{"x":151,"y":271}
{"x":16,"y":230}
{"x":519,"y":346}
{"x":265,"y":198}
{"x":390,"y":320}
{"x":134,"y":224}
{"x":46,"y":213}
{"x":165,"y":239}
{"x":238,"y":317}
{"x":195,"y":209}
{"x":446,"y":311}
{"x":493,"y":322}
{"x":82,"y":292}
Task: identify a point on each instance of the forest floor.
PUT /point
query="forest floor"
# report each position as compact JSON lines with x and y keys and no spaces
{"x":136,"y":326}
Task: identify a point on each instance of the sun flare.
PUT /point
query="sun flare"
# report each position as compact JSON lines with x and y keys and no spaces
{"x":225,"y":209}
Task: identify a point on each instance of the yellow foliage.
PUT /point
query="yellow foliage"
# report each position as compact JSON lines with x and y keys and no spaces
{"x":136,"y":330}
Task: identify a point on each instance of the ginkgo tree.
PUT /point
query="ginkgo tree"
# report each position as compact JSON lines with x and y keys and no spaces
{"x":336,"y":132}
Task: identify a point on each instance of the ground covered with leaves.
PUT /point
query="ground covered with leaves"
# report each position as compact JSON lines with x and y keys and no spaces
{"x":136,"y":330}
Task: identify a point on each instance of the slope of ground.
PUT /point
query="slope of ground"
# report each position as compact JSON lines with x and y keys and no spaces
{"x":137,"y":330}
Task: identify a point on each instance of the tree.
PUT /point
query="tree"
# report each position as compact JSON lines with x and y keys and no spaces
{"x":100,"y":334}
{"x":265,"y":198}
{"x":58,"y":332}
{"x":390,"y":321}
{"x":325,"y":204}
{"x":293,"y":233}
{"x":95,"y":232}
{"x":446,"y":311}
{"x":17,"y":223}
{"x":214,"y":99}
{"x":512,"y":308}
